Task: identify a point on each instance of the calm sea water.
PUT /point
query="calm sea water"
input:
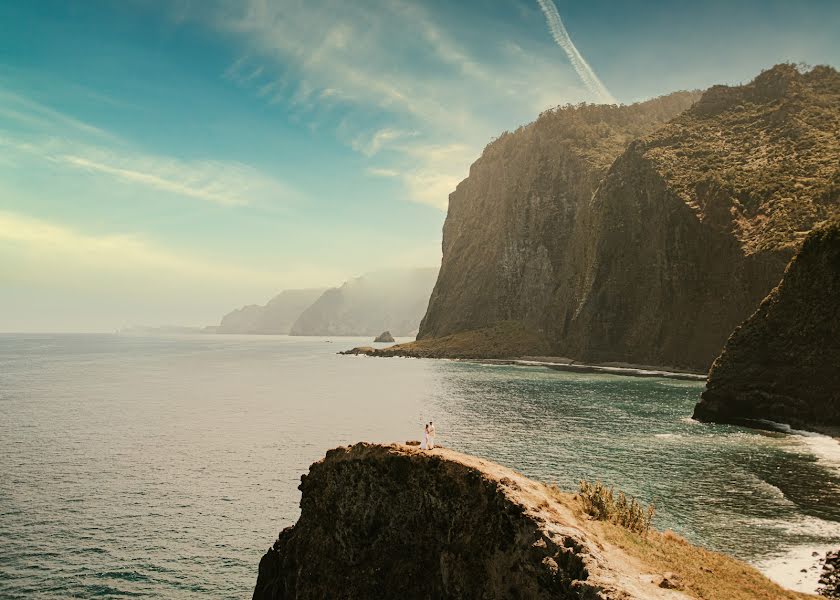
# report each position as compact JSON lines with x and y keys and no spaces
{"x":164,"y":467}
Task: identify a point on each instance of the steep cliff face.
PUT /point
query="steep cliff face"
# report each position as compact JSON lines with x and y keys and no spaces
{"x":392,"y":300}
{"x":783,"y":363}
{"x":392,"y":522}
{"x":669,"y":248}
{"x":276,"y":316}
{"x":398,"y":522}
{"x":694,"y":224}
{"x":512,"y":224}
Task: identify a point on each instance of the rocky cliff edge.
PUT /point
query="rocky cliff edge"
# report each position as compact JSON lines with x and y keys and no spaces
{"x":397,"y":522}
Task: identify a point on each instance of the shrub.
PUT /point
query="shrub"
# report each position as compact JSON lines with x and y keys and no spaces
{"x":603,"y":504}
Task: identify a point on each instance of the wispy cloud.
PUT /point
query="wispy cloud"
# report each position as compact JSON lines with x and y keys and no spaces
{"x":222,"y":183}
{"x":384,"y":90}
{"x":561,"y":36}
{"x":48,"y":135}
{"x":29,"y":112}
{"x":370,"y":144}
{"x":101,"y":254}
{"x":379,"y":172}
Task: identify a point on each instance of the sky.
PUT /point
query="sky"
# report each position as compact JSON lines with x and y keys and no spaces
{"x":165,"y":162}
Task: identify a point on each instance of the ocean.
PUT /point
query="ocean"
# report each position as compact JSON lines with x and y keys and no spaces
{"x":165,"y":466}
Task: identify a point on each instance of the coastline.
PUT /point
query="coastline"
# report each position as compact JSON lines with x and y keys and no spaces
{"x":556,"y":363}
{"x":561,"y":364}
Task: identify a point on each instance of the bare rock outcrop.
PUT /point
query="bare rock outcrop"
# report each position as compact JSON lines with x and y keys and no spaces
{"x":398,"y":522}
{"x":384,"y":338}
{"x":783,"y":363}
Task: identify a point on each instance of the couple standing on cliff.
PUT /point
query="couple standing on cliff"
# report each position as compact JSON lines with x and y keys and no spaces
{"x":428,"y":437}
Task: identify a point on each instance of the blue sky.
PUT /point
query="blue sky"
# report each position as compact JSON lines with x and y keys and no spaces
{"x":163,"y":162}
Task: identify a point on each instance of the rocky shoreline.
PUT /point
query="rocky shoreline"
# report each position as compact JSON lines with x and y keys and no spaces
{"x":549,"y":362}
{"x":830,"y":577}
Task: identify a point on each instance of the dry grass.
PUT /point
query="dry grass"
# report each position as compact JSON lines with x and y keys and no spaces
{"x":703,"y":574}
{"x":603,"y":504}
{"x":707,"y":575}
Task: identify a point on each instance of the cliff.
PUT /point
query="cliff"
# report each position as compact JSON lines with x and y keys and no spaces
{"x":512,"y":224}
{"x":652,"y":249}
{"x":397,"y":522}
{"x":276,"y":316}
{"x":392,"y":300}
{"x":783,"y":363}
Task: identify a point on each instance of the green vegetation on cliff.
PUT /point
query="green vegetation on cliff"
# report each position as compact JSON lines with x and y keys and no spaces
{"x":758,"y":160}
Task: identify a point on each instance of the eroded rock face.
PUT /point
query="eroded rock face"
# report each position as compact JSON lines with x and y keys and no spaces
{"x":513,"y":226}
{"x":783,"y":363}
{"x":653,"y":250}
{"x":397,"y":522}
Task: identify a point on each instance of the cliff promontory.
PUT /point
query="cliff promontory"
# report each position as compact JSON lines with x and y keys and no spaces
{"x":642,"y":234}
{"x":275,"y":317}
{"x":391,"y":300}
{"x":398,"y":522}
{"x":783,"y":363}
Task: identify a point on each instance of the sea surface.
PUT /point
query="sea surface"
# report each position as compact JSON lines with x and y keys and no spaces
{"x":165,"y":466}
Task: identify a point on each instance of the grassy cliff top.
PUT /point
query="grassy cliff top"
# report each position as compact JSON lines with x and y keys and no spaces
{"x":597,"y":133}
{"x":761,"y":159}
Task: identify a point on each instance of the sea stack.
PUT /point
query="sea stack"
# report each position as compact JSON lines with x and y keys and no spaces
{"x":783,"y":363}
{"x":385,"y":337}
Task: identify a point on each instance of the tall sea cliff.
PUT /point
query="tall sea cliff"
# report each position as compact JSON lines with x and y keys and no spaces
{"x":646,"y":233}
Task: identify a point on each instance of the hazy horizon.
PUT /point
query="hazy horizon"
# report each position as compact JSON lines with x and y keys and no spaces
{"x":163,"y":163}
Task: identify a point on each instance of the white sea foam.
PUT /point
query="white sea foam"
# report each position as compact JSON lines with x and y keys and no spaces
{"x":826,"y":449}
{"x":804,"y":526}
{"x":787,"y":569}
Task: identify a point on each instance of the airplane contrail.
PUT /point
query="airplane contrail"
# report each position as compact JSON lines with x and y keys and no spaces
{"x":561,"y":36}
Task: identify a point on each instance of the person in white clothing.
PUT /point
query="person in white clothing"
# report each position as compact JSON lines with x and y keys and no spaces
{"x":424,"y":445}
{"x":431,"y":431}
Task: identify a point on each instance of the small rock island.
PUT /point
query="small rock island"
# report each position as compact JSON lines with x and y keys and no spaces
{"x":384,"y":338}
